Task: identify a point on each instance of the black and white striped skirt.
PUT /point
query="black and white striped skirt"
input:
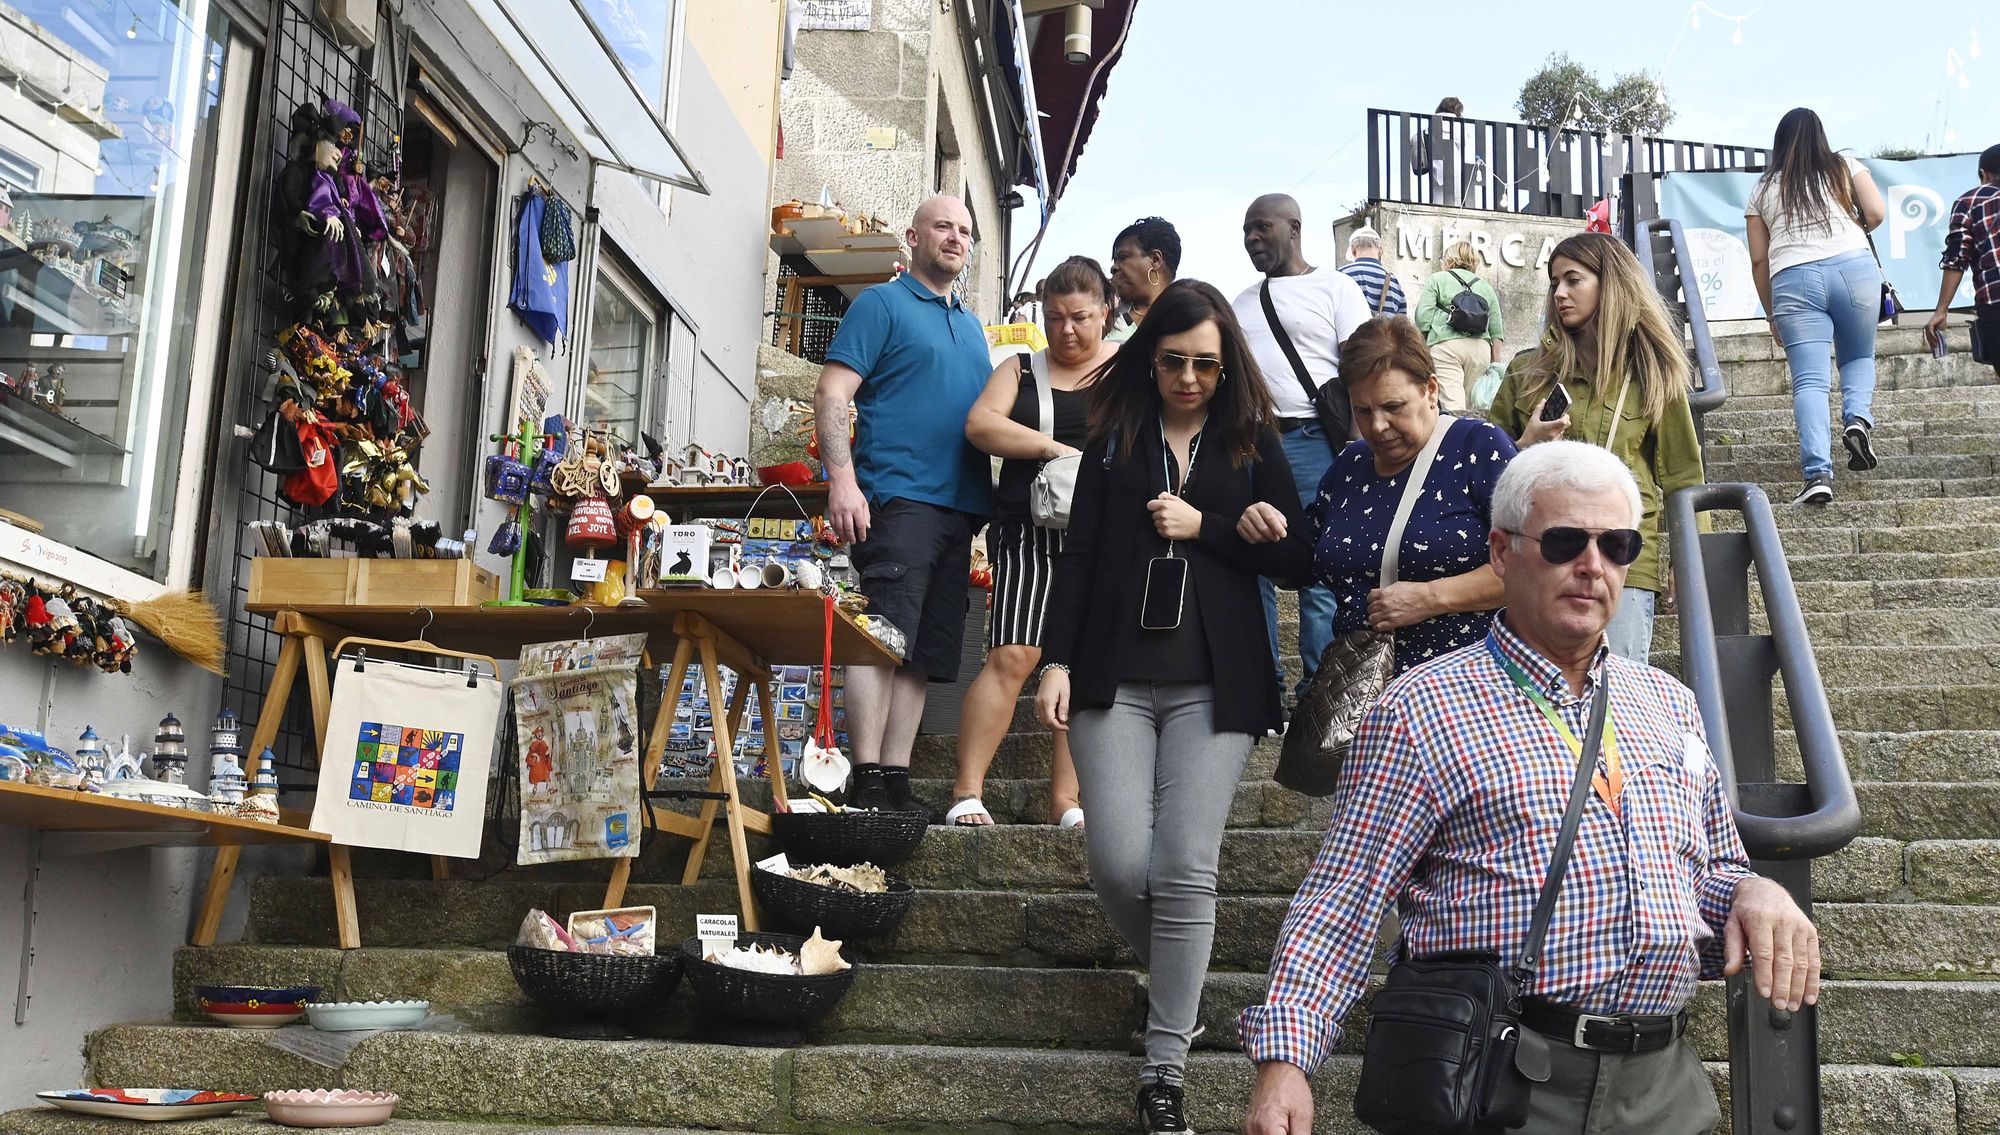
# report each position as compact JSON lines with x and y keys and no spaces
{"x":1024,"y":563}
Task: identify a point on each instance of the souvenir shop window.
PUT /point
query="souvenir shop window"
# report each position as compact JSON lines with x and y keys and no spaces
{"x":112,"y":124}
{"x":624,"y":358}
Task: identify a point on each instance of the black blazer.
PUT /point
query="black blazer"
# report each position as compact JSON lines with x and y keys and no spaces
{"x":1100,"y":577}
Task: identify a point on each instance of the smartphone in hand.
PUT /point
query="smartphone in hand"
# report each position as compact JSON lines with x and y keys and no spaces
{"x":1938,"y":348}
{"x":1557,"y":404}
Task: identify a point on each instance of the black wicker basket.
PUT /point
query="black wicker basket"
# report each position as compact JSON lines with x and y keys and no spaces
{"x":594,"y":985}
{"x":729,"y":997}
{"x":844,"y":839}
{"x":796,"y":905}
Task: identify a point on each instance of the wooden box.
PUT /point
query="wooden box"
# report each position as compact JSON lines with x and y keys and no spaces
{"x":279,"y":581}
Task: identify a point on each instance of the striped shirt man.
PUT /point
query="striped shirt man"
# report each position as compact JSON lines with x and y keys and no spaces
{"x":1369,"y":273}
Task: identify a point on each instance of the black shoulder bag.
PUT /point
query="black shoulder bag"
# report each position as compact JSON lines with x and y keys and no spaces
{"x":1329,"y":401}
{"x":1446,"y":1053}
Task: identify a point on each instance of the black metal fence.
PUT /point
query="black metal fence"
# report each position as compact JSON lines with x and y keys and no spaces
{"x":1512,"y":167}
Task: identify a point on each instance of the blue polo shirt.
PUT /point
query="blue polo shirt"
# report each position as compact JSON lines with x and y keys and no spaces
{"x":923,"y":361}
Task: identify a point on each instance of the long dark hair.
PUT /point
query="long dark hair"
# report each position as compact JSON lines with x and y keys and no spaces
{"x":1125,"y":397}
{"x":1810,"y":180}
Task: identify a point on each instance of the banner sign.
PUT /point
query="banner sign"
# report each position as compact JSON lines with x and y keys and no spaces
{"x":1919,"y":194}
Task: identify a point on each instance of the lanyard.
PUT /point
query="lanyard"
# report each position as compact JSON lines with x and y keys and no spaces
{"x":1167,"y":466}
{"x":1610,"y":788}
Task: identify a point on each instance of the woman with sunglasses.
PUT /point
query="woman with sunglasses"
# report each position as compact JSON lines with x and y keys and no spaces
{"x":1620,"y":364}
{"x":1445,"y":590}
{"x":1154,"y":656}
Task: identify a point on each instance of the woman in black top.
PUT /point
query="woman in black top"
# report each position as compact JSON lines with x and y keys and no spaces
{"x":1006,"y":422}
{"x":1163,"y":715}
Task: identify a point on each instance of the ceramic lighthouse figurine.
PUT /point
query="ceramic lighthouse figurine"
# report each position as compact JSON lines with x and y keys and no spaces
{"x":91,"y":759}
{"x":262,"y":802}
{"x":225,"y":766}
{"x":170,"y":751}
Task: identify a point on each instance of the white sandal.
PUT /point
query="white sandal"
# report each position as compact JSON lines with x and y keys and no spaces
{"x":1071,"y":819}
{"x":970,"y":806}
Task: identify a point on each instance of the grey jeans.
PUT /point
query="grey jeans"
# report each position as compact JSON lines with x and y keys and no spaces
{"x":1160,"y":779}
{"x":1613,"y":1093}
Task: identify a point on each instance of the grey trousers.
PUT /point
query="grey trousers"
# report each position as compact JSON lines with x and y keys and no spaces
{"x":1617,"y":1093}
{"x":1160,"y":779}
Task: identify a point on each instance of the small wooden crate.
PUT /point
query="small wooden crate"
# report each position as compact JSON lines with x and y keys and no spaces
{"x":276,"y":580}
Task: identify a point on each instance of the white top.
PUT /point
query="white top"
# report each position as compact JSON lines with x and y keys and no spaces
{"x":1320,"y":310}
{"x":1791,"y":244}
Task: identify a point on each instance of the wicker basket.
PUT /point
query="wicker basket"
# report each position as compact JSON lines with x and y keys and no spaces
{"x":844,"y":839}
{"x":796,"y":905}
{"x":733,"y":996}
{"x":593,"y":985}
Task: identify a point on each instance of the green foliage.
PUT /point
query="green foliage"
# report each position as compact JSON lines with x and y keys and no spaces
{"x":1565,"y":93}
{"x":1896,"y":153}
{"x":1909,"y":1060}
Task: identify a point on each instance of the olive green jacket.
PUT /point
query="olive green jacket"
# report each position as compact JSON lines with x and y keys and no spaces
{"x":1663,"y":456}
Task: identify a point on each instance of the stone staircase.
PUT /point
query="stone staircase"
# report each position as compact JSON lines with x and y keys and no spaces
{"x":1006,"y":1003}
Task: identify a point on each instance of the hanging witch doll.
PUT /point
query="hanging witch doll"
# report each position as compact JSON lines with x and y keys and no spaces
{"x":315,"y":260}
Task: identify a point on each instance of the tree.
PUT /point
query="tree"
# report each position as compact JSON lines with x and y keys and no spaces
{"x":1565,"y":93}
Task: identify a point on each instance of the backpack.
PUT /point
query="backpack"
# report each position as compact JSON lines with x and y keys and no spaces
{"x":1469,"y":311}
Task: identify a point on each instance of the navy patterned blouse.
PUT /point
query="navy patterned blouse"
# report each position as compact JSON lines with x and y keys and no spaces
{"x":1445,"y":535}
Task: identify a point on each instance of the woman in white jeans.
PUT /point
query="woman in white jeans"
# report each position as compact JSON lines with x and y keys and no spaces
{"x":1154,"y":655}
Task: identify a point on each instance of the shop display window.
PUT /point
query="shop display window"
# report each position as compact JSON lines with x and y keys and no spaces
{"x":624,"y":335}
{"x":110,"y":121}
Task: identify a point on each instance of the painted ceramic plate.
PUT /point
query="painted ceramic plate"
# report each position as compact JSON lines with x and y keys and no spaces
{"x":244,"y":1017}
{"x":147,"y":1103}
{"x":320,"y":1107}
{"x":256,"y":994}
{"x":353,"y":1016}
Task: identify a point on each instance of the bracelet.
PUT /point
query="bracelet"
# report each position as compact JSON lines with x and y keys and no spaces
{"x":1043,"y":672}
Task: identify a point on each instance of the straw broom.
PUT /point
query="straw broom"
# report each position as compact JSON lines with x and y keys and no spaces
{"x":186,"y":622}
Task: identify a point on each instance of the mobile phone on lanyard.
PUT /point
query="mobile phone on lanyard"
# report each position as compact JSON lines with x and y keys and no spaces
{"x":1166,"y":592}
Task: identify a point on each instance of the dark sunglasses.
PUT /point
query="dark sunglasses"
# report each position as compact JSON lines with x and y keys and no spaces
{"x":1561,"y":545}
{"x":1169,"y":363}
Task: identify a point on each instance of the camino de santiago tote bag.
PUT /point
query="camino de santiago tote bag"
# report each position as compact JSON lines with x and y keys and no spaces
{"x":409,"y":750}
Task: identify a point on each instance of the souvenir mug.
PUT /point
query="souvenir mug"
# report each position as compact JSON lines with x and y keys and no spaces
{"x":777,"y":573}
{"x":723,"y":579}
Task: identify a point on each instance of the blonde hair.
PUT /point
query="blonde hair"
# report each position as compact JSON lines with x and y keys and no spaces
{"x":1635,"y":340}
{"x":1461,"y":255}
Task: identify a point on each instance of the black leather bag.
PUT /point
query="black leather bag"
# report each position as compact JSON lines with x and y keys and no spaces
{"x":1329,"y":399}
{"x":1446,"y":1053}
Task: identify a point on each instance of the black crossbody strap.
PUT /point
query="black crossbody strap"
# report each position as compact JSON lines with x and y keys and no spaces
{"x":1579,"y":791}
{"x":1285,"y":341}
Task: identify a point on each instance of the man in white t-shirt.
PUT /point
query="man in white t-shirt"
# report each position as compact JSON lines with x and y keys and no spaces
{"x":1318,"y":309}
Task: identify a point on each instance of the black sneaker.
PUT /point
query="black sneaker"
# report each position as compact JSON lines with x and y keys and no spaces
{"x":1819,"y":490}
{"x":1860,"y":454}
{"x":870,"y":797}
{"x":1162,"y":1109}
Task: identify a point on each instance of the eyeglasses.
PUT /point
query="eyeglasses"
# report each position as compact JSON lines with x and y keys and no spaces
{"x":1171,"y":364}
{"x":1561,"y":545}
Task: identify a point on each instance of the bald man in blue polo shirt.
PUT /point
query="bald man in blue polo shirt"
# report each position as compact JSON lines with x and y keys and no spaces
{"x":910,"y":491}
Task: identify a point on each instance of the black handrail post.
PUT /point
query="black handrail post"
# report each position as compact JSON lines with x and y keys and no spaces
{"x":1773,"y":1055}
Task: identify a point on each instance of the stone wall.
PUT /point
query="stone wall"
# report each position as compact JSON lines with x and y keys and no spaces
{"x":1514,"y":251}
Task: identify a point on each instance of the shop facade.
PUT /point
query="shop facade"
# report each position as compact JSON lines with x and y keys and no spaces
{"x":151,"y":255}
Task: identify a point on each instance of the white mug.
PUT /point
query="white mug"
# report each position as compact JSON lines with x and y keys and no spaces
{"x":749,"y":577}
{"x":723,"y":579}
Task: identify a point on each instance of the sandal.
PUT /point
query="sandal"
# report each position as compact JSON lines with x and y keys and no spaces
{"x":966,"y":807}
{"x":1073,"y":818}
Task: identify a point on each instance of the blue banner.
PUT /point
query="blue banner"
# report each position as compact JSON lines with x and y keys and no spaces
{"x":1919,"y":194}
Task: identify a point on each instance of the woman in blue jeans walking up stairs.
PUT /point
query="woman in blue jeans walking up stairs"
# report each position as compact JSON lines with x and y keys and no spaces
{"x":1808,"y":221}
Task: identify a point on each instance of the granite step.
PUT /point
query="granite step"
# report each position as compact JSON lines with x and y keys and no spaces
{"x":1774,"y":445}
{"x":1759,"y":377}
{"x":1943,"y":627}
{"x":1912,"y":431}
{"x":843,"y":1088}
{"x":252,"y":1121}
{"x":1934,"y":755}
{"x":1847,"y":666}
{"x":1882,"y":514}
{"x":1904,"y":567}
{"x":1893,"y":467}
{"x":1026,"y":755}
{"x":1751,"y":342}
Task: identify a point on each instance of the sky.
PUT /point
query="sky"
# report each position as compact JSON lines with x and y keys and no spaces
{"x":1214,"y":104}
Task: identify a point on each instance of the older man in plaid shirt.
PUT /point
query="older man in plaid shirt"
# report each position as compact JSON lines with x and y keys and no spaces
{"x":1451,"y":803}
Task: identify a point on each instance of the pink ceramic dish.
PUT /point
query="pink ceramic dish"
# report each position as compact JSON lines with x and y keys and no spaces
{"x":339,"y":1107}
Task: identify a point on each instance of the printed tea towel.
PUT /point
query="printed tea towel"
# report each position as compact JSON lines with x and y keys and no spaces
{"x":576,"y":721}
{"x":409,"y":750}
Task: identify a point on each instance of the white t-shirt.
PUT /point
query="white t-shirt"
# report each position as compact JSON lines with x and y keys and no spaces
{"x":1319,"y":310}
{"x":1793,"y":244}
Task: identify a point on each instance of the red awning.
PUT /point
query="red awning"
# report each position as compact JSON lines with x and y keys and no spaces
{"x":1060,"y":87}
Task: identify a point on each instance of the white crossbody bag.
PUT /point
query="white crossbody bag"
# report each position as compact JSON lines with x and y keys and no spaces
{"x":1055,"y":483}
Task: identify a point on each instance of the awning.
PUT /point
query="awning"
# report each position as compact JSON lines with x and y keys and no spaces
{"x":1067,"y":93}
{"x":573,"y":66}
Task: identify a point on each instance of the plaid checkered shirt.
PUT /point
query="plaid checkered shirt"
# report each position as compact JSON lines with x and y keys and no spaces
{"x":1451,"y":802}
{"x":1973,"y":242}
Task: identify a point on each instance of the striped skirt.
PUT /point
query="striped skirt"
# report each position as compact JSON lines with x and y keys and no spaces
{"x":1024,"y":562}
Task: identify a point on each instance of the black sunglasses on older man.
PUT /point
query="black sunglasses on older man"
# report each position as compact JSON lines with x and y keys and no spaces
{"x":1560,"y":545}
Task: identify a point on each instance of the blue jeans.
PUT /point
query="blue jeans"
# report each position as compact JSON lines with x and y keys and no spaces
{"x":1839,"y":301}
{"x":1630,"y":634}
{"x":1307,"y":453}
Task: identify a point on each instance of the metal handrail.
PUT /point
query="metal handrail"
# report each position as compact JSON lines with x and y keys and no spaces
{"x":1662,"y":250}
{"x":1835,"y":814}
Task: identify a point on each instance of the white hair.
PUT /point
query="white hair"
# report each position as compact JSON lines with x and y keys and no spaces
{"x":1559,"y":466}
{"x":1364,"y":237}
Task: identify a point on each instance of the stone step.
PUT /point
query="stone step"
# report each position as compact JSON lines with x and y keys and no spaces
{"x":1895,"y":595}
{"x":843,"y":1088}
{"x":1904,"y":567}
{"x":1847,"y":666}
{"x":1750,"y":341}
{"x":1913,"y":431}
{"x":1025,"y":756}
{"x":1776,"y":445}
{"x":1257,"y":804}
{"x":1874,"y":514}
{"x":1894,"y":467}
{"x":1939,"y":755}
{"x":1058,"y":1008}
{"x":1960,"y":627}
{"x":1755,"y":377}
{"x":251,"y":1121}
{"x":1917,"y":405}
{"x":1869,"y":539}
{"x":1890,"y":709}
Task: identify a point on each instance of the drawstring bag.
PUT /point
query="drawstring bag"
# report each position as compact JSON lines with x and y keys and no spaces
{"x":558,"y":236}
{"x":275,"y":446}
{"x":825,"y":767}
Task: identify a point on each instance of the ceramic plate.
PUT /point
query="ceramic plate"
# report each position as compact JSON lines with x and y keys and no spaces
{"x":320,"y":1107}
{"x":147,"y":1103}
{"x":254,"y":995}
{"x":353,"y":1016}
{"x":244,"y":1017}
